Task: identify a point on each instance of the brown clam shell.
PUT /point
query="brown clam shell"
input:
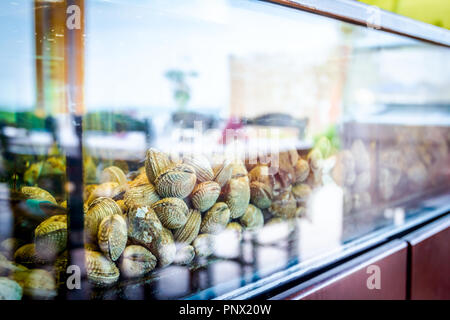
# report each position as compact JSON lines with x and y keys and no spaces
{"x":112,"y":236}
{"x":301,"y":170}
{"x":284,"y":205}
{"x":164,"y":248}
{"x":155,"y":163}
{"x":137,"y":261}
{"x":51,"y":237}
{"x":201,"y":166}
{"x":236,"y":194}
{"x":216,"y":219}
{"x":143,"y":225}
{"x":190,"y":230}
{"x":260,"y":195}
{"x":37,"y":193}
{"x":100,"y":270}
{"x":172,"y":212}
{"x":141,"y":196}
{"x":205,"y":194}
{"x":113,"y":174}
{"x":99,"y":209}
{"x":253,"y":218}
{"x":177,"y":181}
{"x":223,"y":173}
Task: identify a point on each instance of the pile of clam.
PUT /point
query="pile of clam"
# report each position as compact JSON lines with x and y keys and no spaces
{"x":172,"y":211}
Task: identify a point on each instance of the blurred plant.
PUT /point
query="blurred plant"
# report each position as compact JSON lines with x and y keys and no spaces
{"x":181,"y":89}
{"x":328,"y":141}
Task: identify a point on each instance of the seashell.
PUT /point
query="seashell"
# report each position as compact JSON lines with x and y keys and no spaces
{"x":37,"y":193}
{"x":286,"y":167}
{"x":190,"y":230}
{"x":164,"y":248}
{"x":261,"y":173}
{"x":88,"y":190}
{"x":185,"y":255}
{"x":216,"y":219}
{"x":201,"y":166}
{"x":177,"y":181}
{"x":10,"y":289}
{"x":284,"y":205}
{"x":51,"y":237}
{"x":137,"y":261}
{"x":139,"y":180}
{"x":27,"y":256}
{"x":204,"y":245}
{"x":204,"y":195}
{"x":253,"y":218}
{"x":223,"y":173}
{"x":36,"y":283}
{"x":301,"y":192}
{"x":122,"y":206}
{"x":113,"y":174}
{"x":301,"y":170}
{"x":155,"y":163}
{"x":314,"y":159}
{"x":8,"y":267}
{"x":260,"y":195}
{"x":104,"y":190}
{"x":238,"y":169}
{"x":141,"y":196}
{"x":112,"y":236}
{"x":236,"y":194}
{"x":99,"y":269}
{"x":143,"y":225}
{"x":172,"y":212}
{"x":99,"y":209}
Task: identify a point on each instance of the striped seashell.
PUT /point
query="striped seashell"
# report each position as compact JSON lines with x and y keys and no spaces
{"x":190,"y":230}
{"x":177,"y":181}
{"x":201,"y":166}
{"x":164,"y":248}
{"x":99,"y":209}
{"x":284,"y":205}
{"x":113,"y":174}
{"x":88,"y":190}
{"x":172,"y":212}
{"x":10,"y":289}
{"x":137,"y":261}
{"x":141,"y":196}
{"x":204,"y":195}
{"x":260,"y":195}
{"x":204,"y":245}
{"x":106,"y":190}
{"x":143,"y":225}
{"x":223,"y":173}
{"x":253,"y":218}
{"x":51,"y":237}
{"x":36,"y":284}
{"x":112,"y":236}
{"x":301,"y":192}
{"x":155,"y":163}
{"x":122,"y":206}
{"x":185,"y":255}
{"x":100,"y":270}
{"x":236,"y":194}
{"x":216,"y":219}
{"x":301,"y":170}
{"x":37,"y":193}
{"x":26,"y":255}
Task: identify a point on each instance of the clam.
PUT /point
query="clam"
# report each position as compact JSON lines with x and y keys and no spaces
{"x":216,"y":219}
{"x":141,"y":196}
{"x":260,"y":194}
{"x":51,"y":237}
{"x":143,"y":225}
{"x":112,"y":236}
{"x":164,"y":248}
{"x":139,"y":180}
{"x":36,"y":283}
{"x":10,"y":289}
{"x":301,"y":170}
{"x":252,"y":218}
{"x":155,"y":163}
{"x":284,"y":205}
{"x":201,"y":166}
{"x":223,"y":173}
{"x":204,"y":245}
{"x":261,"y":173}
{"x":286,"y":167}
{"x":8,"y":267}
{"x":177,"y":181}
{"x":100,"y":270}
{"x":190,"y":230}
{"x":172,"y":212}
{"x":99,"y":209}
{"x":236,"y":194}
{"x":113,"y":174}
{"x":301,"y":192}
{"x":238,"y":169}
{"x":27,"y":255}
{"x":137,"y":261}
{"x":184,"y":255}
{"x":37,"y":193}
{"x":205,"y":194}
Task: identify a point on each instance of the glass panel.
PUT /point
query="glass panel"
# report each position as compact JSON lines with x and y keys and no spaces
{"x":222,"y":142}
